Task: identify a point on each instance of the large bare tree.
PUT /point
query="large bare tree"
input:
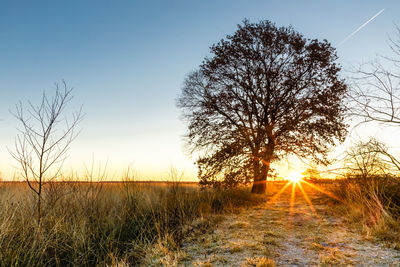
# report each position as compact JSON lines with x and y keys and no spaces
{"x":44,"y":139}
{"x":264,"y":93}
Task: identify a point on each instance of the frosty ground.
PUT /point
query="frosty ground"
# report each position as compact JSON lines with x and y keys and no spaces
{"x":285,"y":231}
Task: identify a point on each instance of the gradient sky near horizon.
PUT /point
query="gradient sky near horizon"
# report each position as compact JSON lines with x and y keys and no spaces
{"x":126,"y":61}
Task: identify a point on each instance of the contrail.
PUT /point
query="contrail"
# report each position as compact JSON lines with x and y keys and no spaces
{"x":359,"y":28}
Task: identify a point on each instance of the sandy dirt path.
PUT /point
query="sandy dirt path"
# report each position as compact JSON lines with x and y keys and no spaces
{"x":287,"y":232}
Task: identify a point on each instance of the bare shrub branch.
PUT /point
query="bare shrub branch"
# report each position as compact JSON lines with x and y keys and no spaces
{"x":375,"y":93}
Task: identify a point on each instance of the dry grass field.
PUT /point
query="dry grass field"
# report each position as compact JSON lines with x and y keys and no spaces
{"x":87,"y":224}
{"x":177,"y":224}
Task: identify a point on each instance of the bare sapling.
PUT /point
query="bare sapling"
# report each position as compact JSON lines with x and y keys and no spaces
{"x":44,"y":139}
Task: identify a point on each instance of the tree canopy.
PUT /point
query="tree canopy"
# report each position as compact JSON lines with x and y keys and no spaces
{"x":264,"y":92}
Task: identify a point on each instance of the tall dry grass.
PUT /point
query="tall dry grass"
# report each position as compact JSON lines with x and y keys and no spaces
{"x":372,"y":203}
{"x":85,"y":224}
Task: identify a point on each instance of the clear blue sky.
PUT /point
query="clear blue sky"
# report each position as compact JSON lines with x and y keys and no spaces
{"x":127,"y":61}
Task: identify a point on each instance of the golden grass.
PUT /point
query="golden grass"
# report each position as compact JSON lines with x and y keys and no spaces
{"x":260,"y":262}
{"x":111,"y":224}
{"x":371,"y":205}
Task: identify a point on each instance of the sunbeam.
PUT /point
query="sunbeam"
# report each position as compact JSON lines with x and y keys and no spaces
{"x":292,"y":199}
{"x":308,"y":200}
{"x":329,"y":194}
{"x":275,"y":197}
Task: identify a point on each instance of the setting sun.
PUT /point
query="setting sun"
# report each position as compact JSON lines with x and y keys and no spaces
{"x":295,"y":177}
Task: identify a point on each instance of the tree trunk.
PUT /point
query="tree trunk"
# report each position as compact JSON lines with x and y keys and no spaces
{"x":260,"y":178}
{"x":259,"y":186}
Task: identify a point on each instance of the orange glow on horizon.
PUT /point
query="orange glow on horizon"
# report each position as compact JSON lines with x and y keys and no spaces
{"x":295,"y":180}
{"x":295,"y":177}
